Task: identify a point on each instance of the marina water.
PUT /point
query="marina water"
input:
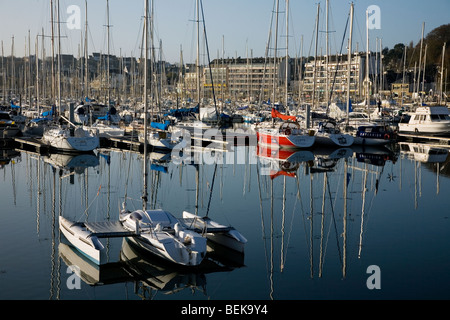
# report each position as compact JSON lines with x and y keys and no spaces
{"x":335,"y":224}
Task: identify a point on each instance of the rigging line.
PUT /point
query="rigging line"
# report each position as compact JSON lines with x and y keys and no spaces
{"x":209,"y":62}
{"x":338,"y":62}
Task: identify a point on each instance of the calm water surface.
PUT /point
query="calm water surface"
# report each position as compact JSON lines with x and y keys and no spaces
{"x":315,"y":224}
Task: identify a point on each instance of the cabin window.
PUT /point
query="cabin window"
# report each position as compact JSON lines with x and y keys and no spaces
{"x":434,"y":117}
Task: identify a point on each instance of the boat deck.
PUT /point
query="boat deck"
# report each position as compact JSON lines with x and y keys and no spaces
{"x":199,"y":227}
{"x":108,"y":229}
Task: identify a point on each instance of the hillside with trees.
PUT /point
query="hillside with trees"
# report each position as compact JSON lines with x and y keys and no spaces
{"x":432,"y":47}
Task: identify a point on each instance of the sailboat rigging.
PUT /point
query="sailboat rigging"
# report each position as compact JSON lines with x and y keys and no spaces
{"x":67,"y":138}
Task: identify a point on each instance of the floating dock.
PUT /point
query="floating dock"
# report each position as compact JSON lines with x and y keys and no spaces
{"x":31,"y":144}
{"x":442,"y":140}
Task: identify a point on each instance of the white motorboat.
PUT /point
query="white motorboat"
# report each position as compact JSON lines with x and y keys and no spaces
{"x":70,"y":139}
{"x":428,"y":120}
{"x":224,"y":235}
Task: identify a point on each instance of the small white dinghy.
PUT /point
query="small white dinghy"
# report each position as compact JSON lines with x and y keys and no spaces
{"x":215,"y":232}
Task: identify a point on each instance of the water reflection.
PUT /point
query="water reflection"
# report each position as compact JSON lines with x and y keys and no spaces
{"x":8,"y":155}
{"x":151,"y":275}
{"x":320,"y":215}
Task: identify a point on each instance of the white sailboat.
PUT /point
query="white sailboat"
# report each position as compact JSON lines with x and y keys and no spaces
{"x":328,"y":133}
{"x":156,"y":231}
{"x":69,"y":138}
{"x":105,"y":126}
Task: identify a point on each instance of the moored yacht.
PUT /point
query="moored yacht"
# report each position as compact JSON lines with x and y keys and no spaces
{"x":427,"y":119}
{"x":70,"y":139}
{"x":285,"y":134}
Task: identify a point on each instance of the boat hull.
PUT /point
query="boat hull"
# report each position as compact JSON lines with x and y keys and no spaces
{"x":335,"y":139}
{"x":274,"y":139}
{"x":79,"y":237}
{"x":371,"y":141}
{"x":432,"y":128}
{"x":59,"y":139}
{"x":225,"y":236}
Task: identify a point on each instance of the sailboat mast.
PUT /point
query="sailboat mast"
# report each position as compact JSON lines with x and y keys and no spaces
{"x":420,"y":61}
{"x":349,"y":60}
{"x":53,"y":49}
{"x":37,"y":73}
{"x":404,"y":75}
{"x":108,"y":57}
{"x":315,"y":57}
{"x":86,"y":54}
{"x":198,"y":53}
{"x":367,"y":64}
{"x":3,"y":75}
{"x":59,"y":60}
{"x":144,"y":195}
{"x":287,"y":53}
{"x":275,"y":54}
{"x":327,"y":57}
{"x":441,"y":94}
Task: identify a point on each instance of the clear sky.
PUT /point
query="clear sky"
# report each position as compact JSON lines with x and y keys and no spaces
{"x":234,"y":27}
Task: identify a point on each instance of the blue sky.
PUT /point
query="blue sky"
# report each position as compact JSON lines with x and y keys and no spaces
{"x":238,"y":27}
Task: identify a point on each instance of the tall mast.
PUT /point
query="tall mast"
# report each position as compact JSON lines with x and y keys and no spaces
{"x":404,"y":71}
{"x":287,"y":53}
{"x":3,"y":75}
{"x":59,"y":62}
{"x":108,"y":57}
{"x":198,"y":53}
{"x":349,"y":67}
{"x":420,"y":61}
{"x":300,"y":73}
{"x":367,"y":64}
{"x":144,"y":195}
{"x":424,"y":64}
{"x":86,"y":54}
{"x":53,"y":50}
{"x":327,"y":51}
{"x":315,"y":56}
{"x":275,"y":54}
{"x":441,"y":95}
{"x":37,"y":74}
